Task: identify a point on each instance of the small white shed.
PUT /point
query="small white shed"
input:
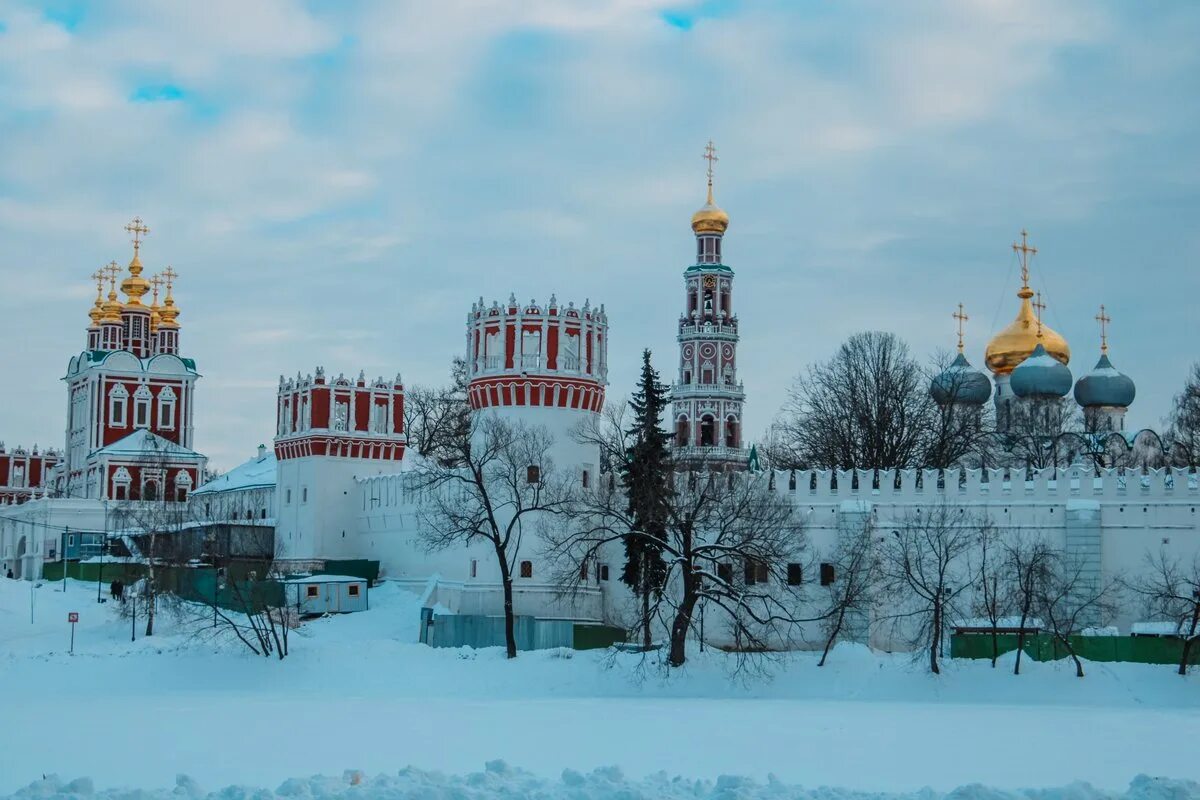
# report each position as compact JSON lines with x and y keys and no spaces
{"x":327,"y":594}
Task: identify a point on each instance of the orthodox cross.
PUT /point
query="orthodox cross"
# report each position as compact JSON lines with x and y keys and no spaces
{"x":710,"y":155}
{"x":169,"y":275}
{"x":1103,"y":319}
{"x":961,"y":317}
{"x":155,"y":282}
{"x":138,"y":230}
{"x":113,"y":270}
{"x":98,"y":276}
{"x":1026,"y":251}
{"x":1039,"y":307}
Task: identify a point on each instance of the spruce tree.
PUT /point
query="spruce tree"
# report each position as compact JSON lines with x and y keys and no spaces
{"x":647,"y":478}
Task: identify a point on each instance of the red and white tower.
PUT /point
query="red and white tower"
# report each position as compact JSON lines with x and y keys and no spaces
{"x":544,"y":365}
{"x":129,"y":396}
{"x":707,"y":396}
{"x":327,"y":434}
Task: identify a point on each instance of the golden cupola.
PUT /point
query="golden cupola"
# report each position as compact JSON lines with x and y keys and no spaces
{"x":135,"y":286}
{"x":169,"y":312}
{"x":112,"y":307}
{"x":710,"y":219}
{"x":97,"y":311}
{"x":1015,"y":343}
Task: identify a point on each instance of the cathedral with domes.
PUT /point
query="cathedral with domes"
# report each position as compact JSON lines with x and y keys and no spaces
{"x":335,"y":486}
{"x":1030,"y":374}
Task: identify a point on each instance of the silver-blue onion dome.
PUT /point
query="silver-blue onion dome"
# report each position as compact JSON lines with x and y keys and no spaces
{"x":1040,"y":375}
{"x":960,"y":383}
{"x":1105,"y":386}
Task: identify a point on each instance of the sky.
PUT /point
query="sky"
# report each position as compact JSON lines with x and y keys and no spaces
{"x":335,"y":183}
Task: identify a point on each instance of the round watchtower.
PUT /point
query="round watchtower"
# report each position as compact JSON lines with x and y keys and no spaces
{"x":540,"y":364}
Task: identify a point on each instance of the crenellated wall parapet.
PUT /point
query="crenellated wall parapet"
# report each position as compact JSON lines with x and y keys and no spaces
{"x":980,"y":486}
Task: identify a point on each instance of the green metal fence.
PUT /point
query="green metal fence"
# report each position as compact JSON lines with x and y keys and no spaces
{"x":1044,"y":647}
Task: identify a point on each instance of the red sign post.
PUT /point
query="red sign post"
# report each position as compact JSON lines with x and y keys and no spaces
{"x":72,"y":617}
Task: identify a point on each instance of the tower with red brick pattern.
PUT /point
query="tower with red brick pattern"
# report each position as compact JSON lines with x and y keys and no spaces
{"x":327,"y":434}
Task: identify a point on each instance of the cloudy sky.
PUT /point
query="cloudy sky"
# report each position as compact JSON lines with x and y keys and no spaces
{"x":336,"y":182}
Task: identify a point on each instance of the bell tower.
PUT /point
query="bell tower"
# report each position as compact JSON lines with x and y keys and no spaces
{"x":707,"y":396}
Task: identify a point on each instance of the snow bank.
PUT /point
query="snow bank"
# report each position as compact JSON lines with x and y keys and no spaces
{"x":501,"y":782}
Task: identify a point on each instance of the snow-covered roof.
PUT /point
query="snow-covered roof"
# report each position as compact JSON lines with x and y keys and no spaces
{"x":325,"y":579}
{"x":257,"y":473}
{"x":1157,"y":628}
{"x":142,"y":443}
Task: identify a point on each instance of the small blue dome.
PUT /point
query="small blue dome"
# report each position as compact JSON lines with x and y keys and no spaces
{"x":961,"y":383}
{"x":1105,"y":386}
{"x":1040,"y":375}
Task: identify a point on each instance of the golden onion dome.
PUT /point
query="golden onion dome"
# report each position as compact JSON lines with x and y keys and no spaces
{"x":135,"y":286}
{"x":1014,"y":344}
{"x":97,"y":311}
{"x":710,"y":219}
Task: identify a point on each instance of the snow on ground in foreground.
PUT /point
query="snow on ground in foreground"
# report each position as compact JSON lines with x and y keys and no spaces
{"x":357,"y":692}
{"x":501,"y":782}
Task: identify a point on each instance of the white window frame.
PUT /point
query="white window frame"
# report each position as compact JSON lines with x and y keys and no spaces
{"x":166,"y":408}
{"x":118,"y":398}
{"x":141,"y":406}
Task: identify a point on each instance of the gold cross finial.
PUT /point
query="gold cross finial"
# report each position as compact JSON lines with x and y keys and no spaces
{"x":98,"y":276}
{"x":156,"y":281}
{"x":1103,"y":319}
{"x":710,"y":155}
{"x":138,"y":229}
{"x":113,"y":270}
{"x":169,"y":275}
{"x":1039,"y":307}
{"x":961,"y":317}
{"x":1026,"y":251}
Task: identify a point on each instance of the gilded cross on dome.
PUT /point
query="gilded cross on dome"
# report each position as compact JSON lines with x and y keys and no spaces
{"x":1039,"y":307}
{"x":961,"y":317}
{"x":1025,"y":252}
{"x":1103,"y":319}
{"x":138,"y":229}
{"x":169,"y":275}
{"x":710,"y":155}
{"x":112,"y":270}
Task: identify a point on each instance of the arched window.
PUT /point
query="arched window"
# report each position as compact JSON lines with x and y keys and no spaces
{"x":141,"y":407}
{"x":150,"y":490}
{"x":708,"y":432}
{"x":587,"y":479}
{"x":533,"y":473}
{"x":681,"y":432}
{"x":731,"y":432}
{"x":526,"y":569}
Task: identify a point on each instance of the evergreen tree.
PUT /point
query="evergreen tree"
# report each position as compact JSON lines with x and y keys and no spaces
{"x":647,"y":477}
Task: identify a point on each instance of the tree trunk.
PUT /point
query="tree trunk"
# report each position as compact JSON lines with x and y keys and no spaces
{"x":683,"y":618}
{"x":936,"y":639}
{"x":995,"y":645}
{"x":833,"y":634}
{"x":647,"y":640}
{"x":1071,"y":651}
{"x":510,"y":635}
{"x":1021,"y":638}
{"x":1189,"y":640}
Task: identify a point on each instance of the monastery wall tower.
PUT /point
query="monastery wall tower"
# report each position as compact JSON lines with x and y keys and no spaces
{"x":707,"y":395}
{"x":541,"y":365}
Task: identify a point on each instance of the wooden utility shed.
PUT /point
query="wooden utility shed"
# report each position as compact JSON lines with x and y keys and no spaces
{"x":327,"y":594}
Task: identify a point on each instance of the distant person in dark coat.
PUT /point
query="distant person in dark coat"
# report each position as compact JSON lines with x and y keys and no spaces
{"x":119,"y":590}
{"x":9,"y":575}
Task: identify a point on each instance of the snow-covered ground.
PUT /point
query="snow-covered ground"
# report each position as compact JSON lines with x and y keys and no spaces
{"x":358,"y":693}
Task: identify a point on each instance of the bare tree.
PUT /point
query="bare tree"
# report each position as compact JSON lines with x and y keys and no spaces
{"x":437,"y":417}
{"x":730,"y":543}
{"x":1071,"y":597}
{"x":1184,"y":422}
{"x":854,"y":590}
{"x":925,"y":571}
{"x":993,"y":596}
{"x":1027,"y":563}
{"x":497,"y":483}
{"x":249,"y":598}
{"x":866,"y":408}
{"x":1170,"y":591}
